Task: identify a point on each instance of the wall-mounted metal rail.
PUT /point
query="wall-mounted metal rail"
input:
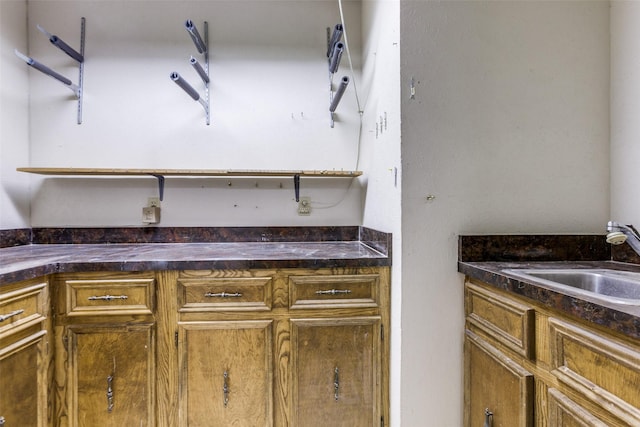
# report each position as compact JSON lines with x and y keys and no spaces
{"x":202,"y":45}
{"x":335,"y":48}
{"x":78,"y":56}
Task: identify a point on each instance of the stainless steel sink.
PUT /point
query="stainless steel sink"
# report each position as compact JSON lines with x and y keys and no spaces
{"x":621,"y":287}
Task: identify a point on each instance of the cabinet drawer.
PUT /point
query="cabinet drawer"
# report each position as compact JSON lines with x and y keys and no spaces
{"x":501,"y":318}
{"x":225,"y":294}
{"x":109,"y":297}
{"x":604,"y":370}
{"x":347,"y":291}
{"x":22,"y":307}
{"x":565,"y":412}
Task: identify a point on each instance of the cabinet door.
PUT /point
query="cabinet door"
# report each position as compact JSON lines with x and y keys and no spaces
{"x":23,"y":382}
{"x":336,"y":376}
{"x":496,"y":387}
{"x":110,"y":375}
{"x":226,"y":375}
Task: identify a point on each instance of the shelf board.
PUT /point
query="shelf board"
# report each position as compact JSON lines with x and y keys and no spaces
{"x":160,"y":174}
{"x":190,"y":172}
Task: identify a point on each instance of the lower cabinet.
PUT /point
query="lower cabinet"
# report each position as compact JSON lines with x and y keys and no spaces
{"x":226,"y":375}
{"x":275,"y":348}
{"x":23,"y":384}
{"x":24,"y":355}
{"x":336,"y":372}
{"x":281,"y":348}
{"x":105,"y":350}
{"x":498,"y":391}
{"x":528,"y":365}
{"x":110,"y":375}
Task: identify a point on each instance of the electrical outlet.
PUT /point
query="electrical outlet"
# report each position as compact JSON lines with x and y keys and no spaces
{"x":304,"y":206}
{"x":153,"y":202}
{"x":151,"y":215}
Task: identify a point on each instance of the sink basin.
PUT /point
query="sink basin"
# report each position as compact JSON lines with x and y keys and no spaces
{"x":610,"y":285}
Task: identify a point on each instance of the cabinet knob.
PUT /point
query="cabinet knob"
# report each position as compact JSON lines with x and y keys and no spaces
{"x":488,"y":418}
{"x":1,"y":421}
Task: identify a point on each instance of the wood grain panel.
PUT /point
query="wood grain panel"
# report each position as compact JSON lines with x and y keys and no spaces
{"x":23,"y":370}
{"x":126,"y":353}
{"x":495,"y":382}
{"x":339,"y":291}
{"x":225,"y":294}
{"x":109,"y":297}
{"x":603,"y":369}
{"x":564,"y":412}
{"x":329,"y":351}
{"x":508,"y":321}
{"x":23,"y":306}
{"x":232,"y":355}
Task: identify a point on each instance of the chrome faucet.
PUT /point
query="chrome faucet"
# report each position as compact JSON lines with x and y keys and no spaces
{"x":620,"y":233}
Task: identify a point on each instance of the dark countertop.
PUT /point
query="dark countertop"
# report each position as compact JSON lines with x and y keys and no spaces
{"x":487,"y":265}
{"x":29,"y":261}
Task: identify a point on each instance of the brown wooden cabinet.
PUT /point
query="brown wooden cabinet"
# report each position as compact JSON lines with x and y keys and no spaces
{"x":105,"y":357}
{"x":226,"y":375}
{"x":531,"y":365}
{"x":289,"y":347}
{"x":498,"y":391}
{"x":336,"y":371}
{"x":262,"y":347}
{"x":24,"y":356}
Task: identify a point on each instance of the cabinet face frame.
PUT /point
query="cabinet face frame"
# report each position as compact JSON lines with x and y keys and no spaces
{"x":160,"y":314}
{"x":584,"y":375}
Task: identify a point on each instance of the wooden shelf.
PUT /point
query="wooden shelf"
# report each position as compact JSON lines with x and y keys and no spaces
{"x":160,"y":174}
{"x":191,"y":172}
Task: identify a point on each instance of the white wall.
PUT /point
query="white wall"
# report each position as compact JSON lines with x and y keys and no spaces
{"x":509,"y":131}
{"x":625,"y":107}
{"x":380,"y":154}
{"x":14,"y":137}
{"x":269,"y":108}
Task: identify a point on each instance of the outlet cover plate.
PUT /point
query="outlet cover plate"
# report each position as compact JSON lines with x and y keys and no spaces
{"x":304,"y":206}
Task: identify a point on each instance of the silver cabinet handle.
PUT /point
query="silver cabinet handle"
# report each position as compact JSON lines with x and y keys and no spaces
{"x":107,"y":297}
{"x":110,"y":393}
{"x":4,"y":317}
{"x":336,"y":383}
{"x":488,"y":418}
{"x":223,"y":295}
{"x":334,"y":292}
{"x":225,"y":388}
{"x":1,"y":421}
